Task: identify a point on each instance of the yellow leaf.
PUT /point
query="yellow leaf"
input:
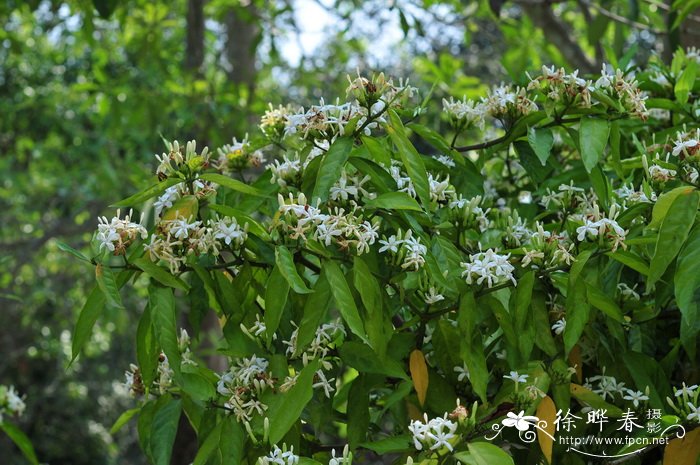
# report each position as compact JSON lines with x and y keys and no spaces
{"x":576,"y":362}
{"x":419,"y":374}
{"x":547,"y":411}
{"x":186,"y":207}
{"x":683,"y":451}
{"x":414,"y":412}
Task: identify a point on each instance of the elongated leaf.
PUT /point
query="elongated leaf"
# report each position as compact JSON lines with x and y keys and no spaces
{"x":672,"y":234}
{"x":92,"y":309}
{"x":663,"y":204}
{"x":286,"y":266}
{"x":471,"y":347}
{"x":108,"y":286}
{"x":593,"y":137}
{"x":209,"y":446}
{"x":231,"y":183}
{"x":592,"y":399}
{"x":377,"y":150}
{"x":160,"y":274}
{"x":344,"y":299}
{"x":163,"y":431}
{"x":419,"y":374}
{"x":232,"y":445}
{"x":315,"y":309}
{"x":164,"y":321}
{"x":358,"y":411}
{"x":578,"y":309}
{"x":66,"y":248}
{"x":123,"y":419}
{"x":547,"y":411}
{"x":603,"y":302}
{"x":687,"y":290}
{"x":685,"y":82}
{"x":287,"y":407}
{"x":276,"y":294}
{"x":21,"y":441}
{"x":541,"y":140}
{"x":370,"y":293}
{"x":409,"y":156}
{"x":394,"y":201}
{"x":683,"y":451}
{"x":361,"y":357}
{"x":430,"y":136}
{"x":331,"y":167}
{"x":630,"y":259}
{"x":146,"y":347}
{"x":148,"y":193}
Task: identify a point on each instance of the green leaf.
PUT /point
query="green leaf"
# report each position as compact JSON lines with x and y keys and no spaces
{"x":471,"y":347}
{"x":232,"y":444}
{"x":147,"y":193}
{"x":163,"y":431}
{"x":108,"y":286}
{"x":686,"y":81}
{"x":394,"y":201}
{"x":687,"y":290}
{"x":160,"y":274}
{"x":593,"y":137}
{"x":663,"y":205}
{"x":92,"y":309}
{"x":604,"y":303}
{"x":315,"y":309}
{"x":541,"y":140}
{"x":66,"y":248}
{"x":409,"y":156}
{"x":276,"y":294}
{"x":358,"y":410}
{"x":590,"y":398}
{"x":209,"y":446}
{"x":377,"y":150}
{"x":123,"y":419}
{"x":389,"y":445}
{"x":672,"y":234}
{"x":343,"y":298}
{"x":286,"y":408}
{"x":286,"y":266}
{"x":164,"y":321}
{"x":21,"y":441}
{"x":630,"y":259}
{"x":361,"y":357}
{"x":331,"y":167}
{"x":489,"y":454}
{"x":231,"y":183}
{"x":371,"y":295}
{"x":432,"y":137}
{"x":146,"y":348}
{"x":578,"y":309}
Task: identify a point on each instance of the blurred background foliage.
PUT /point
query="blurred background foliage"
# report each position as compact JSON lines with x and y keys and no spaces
{"x":89,"y":88}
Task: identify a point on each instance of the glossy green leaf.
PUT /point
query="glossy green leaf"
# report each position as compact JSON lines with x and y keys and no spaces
{"x":485,"y":453}
{"x":231,"y":183}
{"x":687,"y":289}
{"x":685,"y":82}
{"x":344,"y":299}
{"x":148,"y":193}
{"x":331,"y":167}
{"x":253,"y":226}
{"x":286,"y":408}
{"x":163,"y":430}
{"x":160,"y":274}
{"x":21,"y":441}
{"x":394,"y":201}
{"x":164,"y":320}
{"x":578,"y":308}
{"x":66,"y":248}
{"x":412,"y":162}
{"x":276,"y":294}
{"x":123,"y":420}
{"x":593,"y":137}
{"x":108,"y":286}
{"x":630,"y":259}
{"x":663,"y":204}
{"x":287,"y":267}
{"x":209,"y":445}
{"x":146,"y":347}
{"x":541,"y":140}
{"x":672,"y":234}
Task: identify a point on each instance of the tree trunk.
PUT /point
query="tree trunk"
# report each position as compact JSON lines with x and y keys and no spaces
{"x":242,"y":37}
{"x":194,"y":50}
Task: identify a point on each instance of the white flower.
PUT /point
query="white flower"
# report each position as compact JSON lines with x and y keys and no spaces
{"x":683,"y":146}
{"x":446,"y":160}
{"x":521,"y":421}
{"x":516,"y":377}
{"x":559,"y":326}
{"x":107,"y":238}
{"x":434,"y":434}
{"x":686,"y":390}
{"x":490,"y":267}
{"x":635,"y":397}
{"x":278,"y":456}
{"x":180,"y":228}
{"x":228,"y":229}
{"x":694,"y":412}
{"x":432,"y":296}
{"x":463,"y":373}
{"x":14,"y":402}
{"x":391,"y":244}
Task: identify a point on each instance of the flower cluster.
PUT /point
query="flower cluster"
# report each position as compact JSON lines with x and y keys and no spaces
{"x":544,"y":249}
{"x":596,"y":226}
{"x":274,"y":122}
{"x":464,"y":113}
{"x":326,"y":121}
{"x":243,"y":384}
{"x":11,"y":403}
{"x":238,"y":156}
{"x":299,"y":220}
{"x":605,"y":385}
{"x":175,"y":240}
{"x":175,"y":162}
{"x":279,"y":456}
{"x":686,"y":402}
{"x":405,"y":249}
{"x":167,"y":205}
{"x":488,"y":266}
{"x":163,"y":381}
{"x":626,"y":91}
{"x":116,"y":235}
{"x":559,"y":86}
{"x":433,"y":434}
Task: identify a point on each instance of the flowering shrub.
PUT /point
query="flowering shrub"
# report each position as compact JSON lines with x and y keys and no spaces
{"x":378,"y":300}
